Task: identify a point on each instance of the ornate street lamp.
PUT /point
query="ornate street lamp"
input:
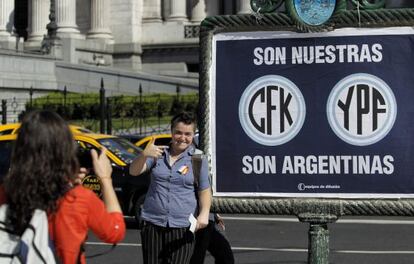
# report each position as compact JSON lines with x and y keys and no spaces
{"x":51,"y":26}
{"x":50,"y":39}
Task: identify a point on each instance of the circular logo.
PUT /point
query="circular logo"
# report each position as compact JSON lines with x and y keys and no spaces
{"x":361,"y":109}
{"x":314,"y":12}
{"x":272,"y":110}
{"x":301,"y":187}
{"x":92,"y":183}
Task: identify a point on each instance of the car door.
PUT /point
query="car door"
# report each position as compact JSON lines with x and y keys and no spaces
{"x":5,"y":154}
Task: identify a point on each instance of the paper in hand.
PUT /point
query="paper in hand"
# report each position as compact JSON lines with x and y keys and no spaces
{"x":193,"y":223}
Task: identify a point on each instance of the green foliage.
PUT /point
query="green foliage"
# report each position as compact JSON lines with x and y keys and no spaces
{"x":87,"y":107}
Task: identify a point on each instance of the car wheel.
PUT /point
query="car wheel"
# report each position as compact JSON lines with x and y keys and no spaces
{"x":137,"y":210}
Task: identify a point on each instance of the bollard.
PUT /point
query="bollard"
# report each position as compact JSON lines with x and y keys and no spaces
{"x":102,"y":107}
{"x":108,"y":116}
{"x":318,"y":243}
{"x":31,"y":96}
{"x":3,"y":111}
{"x":140,"y":109}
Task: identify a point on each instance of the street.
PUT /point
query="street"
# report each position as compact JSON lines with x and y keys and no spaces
{"x":275,"y":239}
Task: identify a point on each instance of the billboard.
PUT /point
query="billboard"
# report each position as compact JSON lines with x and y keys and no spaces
{"x":313,"y":115}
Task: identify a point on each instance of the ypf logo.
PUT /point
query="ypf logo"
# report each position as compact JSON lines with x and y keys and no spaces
{"x":361,"y":109}
{"x":272,"y":110}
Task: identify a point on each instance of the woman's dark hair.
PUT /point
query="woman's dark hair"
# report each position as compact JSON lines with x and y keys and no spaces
{"x":42,"y":167}
{"x":183,"y":117}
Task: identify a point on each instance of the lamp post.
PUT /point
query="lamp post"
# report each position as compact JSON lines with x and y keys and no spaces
{"x":52,"y":26}
{"x":51,"y":37}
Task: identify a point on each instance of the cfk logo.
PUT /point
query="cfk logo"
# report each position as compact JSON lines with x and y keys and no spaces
{"x":272,"y":110}
{"x":361,"y":109}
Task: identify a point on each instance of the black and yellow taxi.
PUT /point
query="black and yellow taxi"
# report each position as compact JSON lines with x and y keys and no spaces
{"x":13,"y":128}
{"x":160,"y":140}
{"x":129,"y":189}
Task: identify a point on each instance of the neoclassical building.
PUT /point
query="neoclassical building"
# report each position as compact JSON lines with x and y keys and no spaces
{"x":159,"y":36}
{"x":128,"y":43}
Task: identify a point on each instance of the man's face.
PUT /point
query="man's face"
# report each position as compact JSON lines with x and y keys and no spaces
{"x":182,"y":136}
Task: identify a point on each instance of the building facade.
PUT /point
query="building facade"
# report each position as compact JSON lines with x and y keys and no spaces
{"x":159,"y":36}
{"x":127,"y":43}
{"x":152,"y":44}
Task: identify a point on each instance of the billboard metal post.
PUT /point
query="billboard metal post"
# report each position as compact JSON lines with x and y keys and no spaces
{"x":318,"y":236}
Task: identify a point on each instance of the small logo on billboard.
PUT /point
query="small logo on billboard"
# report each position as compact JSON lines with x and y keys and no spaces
{"x":301,"y":187}
{"x":272,"y":110}
{"x":361,"y":109}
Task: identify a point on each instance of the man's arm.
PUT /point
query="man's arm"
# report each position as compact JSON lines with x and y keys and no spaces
{"x":204,"y":202}
{"x":138,"y":166}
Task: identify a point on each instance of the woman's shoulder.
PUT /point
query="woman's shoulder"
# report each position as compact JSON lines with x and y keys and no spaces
{"x":79,"y":199}
{"x":79,"y":192}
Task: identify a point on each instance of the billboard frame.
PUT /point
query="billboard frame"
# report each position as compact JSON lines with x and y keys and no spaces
{"x":318,"y":212}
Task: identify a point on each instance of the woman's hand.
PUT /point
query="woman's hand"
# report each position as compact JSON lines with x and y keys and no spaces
{"x":101,"y":164}
{"x":82,"y":174}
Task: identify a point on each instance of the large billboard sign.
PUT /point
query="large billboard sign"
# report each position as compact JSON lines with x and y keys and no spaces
{"x":313,"y":114}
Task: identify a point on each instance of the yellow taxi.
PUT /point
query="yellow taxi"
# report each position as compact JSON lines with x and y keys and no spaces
{"x":129,"y":189}
{"x":13,"y":128}
{"x":160,"y":140}
{"x":9,"y":129}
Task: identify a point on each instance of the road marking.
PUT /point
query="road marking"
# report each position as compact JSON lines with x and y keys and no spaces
{"x":273,"y":219}
{"x":296,"y":220}
{"x":340,"y":221}
{"x":119,"y":244}
{"x":373,"y":252}
{"x":271,"y":249}
{"x":300,"y":250}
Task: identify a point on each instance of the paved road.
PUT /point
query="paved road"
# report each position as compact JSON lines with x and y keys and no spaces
{"x":283,"y":240}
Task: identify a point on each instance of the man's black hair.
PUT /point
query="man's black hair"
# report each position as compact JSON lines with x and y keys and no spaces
{"x":187,"y":118}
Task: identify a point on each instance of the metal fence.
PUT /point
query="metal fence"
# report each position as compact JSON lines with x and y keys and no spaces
{"x":120,"y":115}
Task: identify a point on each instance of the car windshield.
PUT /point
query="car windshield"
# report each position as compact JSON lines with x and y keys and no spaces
{"x":122,"y":148}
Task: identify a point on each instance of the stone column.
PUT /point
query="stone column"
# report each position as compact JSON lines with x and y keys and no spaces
{"x":100,"y":17}
{"x":66,"y":19}
{"x":213,"y":7}
{"x":244,"y":7}
{"x":38,"y":20}
{"x":178,"y":11}
{"x":6,"y":20}
{"x":152,"y":11}
{"x":198,"y":12}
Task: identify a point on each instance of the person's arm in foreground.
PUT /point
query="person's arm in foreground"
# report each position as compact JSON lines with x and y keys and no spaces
{"x":103,"y":169}
{"x":105,"y":219}
{"x":138,"y":166}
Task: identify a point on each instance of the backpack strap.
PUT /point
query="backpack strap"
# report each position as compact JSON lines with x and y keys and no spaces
{"x":196,"y":162}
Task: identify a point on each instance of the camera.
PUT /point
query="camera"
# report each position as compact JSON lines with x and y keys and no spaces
{"x":84,"y":158}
